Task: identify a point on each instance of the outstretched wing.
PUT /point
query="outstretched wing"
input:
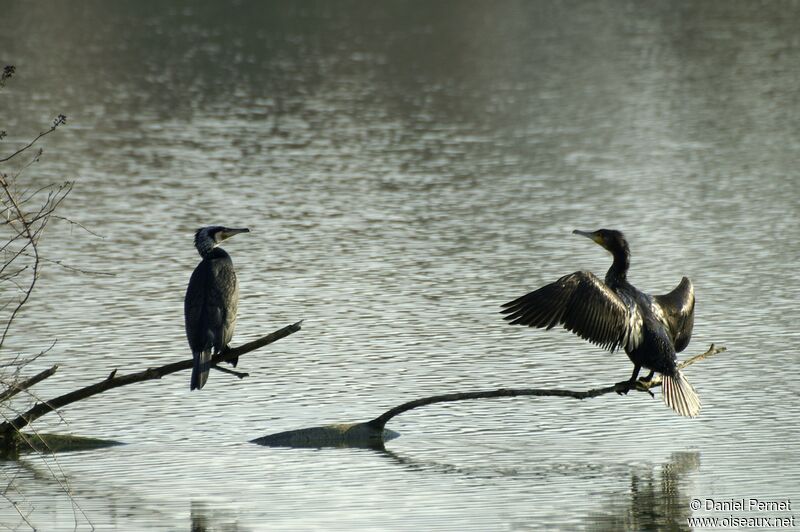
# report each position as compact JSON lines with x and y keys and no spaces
{"x":677,"y":308}
{"x":583,"y":304}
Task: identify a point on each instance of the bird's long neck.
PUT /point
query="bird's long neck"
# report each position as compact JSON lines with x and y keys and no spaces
{"x":618,"y":272}
{"x":205,"y":245}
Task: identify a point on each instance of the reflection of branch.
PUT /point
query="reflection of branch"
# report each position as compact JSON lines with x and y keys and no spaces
{"x":112,"y":381}
{"x":380,"y":421}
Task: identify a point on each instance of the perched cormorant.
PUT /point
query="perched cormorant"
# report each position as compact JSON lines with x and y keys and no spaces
{"x":615,"y":314}
{"x":211,"y":300}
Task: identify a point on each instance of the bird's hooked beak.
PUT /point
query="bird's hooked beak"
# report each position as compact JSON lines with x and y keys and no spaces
{"x":594,"y":235}
{"x":229,"y":232}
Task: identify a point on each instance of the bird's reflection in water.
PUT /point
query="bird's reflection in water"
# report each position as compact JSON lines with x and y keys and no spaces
{"x":214,"y":517}
{"x":657,"y":499}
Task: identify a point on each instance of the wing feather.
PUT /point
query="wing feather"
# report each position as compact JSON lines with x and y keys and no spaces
{"x":195,"y":311}
{"x":231,"y":304}
{"x":580,"y":302}
{"x":677,"y":308}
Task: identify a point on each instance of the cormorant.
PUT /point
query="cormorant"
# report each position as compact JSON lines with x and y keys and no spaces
{"x":211,"y":300}
{"x":615,"y":314}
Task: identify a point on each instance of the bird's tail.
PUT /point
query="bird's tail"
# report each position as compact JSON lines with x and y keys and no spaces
{"x":679,"y":395}
{"x":202,"y":365}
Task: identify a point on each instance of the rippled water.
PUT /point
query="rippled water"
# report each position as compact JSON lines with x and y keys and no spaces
{"x":404,"y":168}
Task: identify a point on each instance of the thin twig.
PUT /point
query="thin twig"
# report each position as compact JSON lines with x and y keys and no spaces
{"x":30,"y":229}
{"x":57,"y":122}
{"x":60,"y":263}
{"x":17,"y":387}
{"x":18,"y":361}
{"x":73,"y":222}
{"x":19,"y":511}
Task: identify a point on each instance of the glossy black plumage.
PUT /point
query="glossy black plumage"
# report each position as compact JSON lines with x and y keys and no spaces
{"x":614,"y":314}
{"x":211,"y":301}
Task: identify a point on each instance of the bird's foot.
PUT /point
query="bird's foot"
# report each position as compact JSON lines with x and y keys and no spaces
{"x":232,"y":361}
{"x":623,"y":387}
{"x":641,"y":385}
{"x":644,"y":384}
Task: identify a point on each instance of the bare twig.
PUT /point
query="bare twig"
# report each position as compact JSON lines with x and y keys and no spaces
{"x":20,"y":361}
{"x":29,"y":229}
{"x":73,"y":222}
{"x":16,"y":507}
{"x":61,"y":264}
{"x":17,"y":387}
{"x":59,"y":120}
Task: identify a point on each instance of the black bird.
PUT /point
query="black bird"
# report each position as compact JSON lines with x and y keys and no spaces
{"x":615,"y":314}
{"x":211,"y":300}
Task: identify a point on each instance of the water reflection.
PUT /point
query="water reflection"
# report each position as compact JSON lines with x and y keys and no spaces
{"x":206,"y":517}
{"x":657,"y":499}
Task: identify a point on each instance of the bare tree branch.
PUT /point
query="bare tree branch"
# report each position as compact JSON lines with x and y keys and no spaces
{"x":380,"y":421}
{"x":373,"y":434}
{"x":112,"y":381}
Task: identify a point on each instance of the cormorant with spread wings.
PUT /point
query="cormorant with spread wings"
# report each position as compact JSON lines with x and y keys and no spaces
{"x":613,"y":314}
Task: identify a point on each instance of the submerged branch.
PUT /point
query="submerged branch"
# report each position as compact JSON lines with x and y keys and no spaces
{"x":373,"y":433}
{"x":114,"y":381}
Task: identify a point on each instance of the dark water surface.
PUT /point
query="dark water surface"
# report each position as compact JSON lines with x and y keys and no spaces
{"x":406,"y":167}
